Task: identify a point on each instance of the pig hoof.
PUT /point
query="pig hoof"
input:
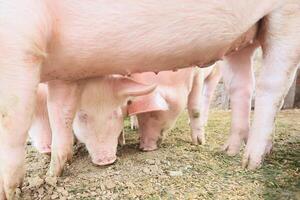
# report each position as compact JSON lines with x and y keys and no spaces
{"x":133,"y":127}
{"x":255,"y":153}
{"x":44,"y":149}
{"x":233,"y":145}
{"x":105,"y":161}
{"x":231,"y":150}
{"x":149,"y":148}
{"x":8,"y":192}
{"x":149,"y":145}
{"x":58,"y":162}
{"x":198,"y":139}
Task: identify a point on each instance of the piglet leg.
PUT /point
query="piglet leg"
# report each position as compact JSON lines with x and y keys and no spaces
{"x":40,"y":130}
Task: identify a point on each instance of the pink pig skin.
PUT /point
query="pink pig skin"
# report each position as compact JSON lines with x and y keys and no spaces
{"x":174,"y":88}
{"x":71,"y":40}
{"x":40,"y":130}
{"x":98,"y":120}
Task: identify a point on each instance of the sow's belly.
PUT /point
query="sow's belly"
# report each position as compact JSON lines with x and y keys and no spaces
{"x":106,"y":62}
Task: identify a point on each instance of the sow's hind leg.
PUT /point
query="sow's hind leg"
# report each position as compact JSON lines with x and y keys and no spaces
{"x":238,"y":78}
{"x":281,"y":53}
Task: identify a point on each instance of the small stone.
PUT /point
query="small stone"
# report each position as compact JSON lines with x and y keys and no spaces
{"x":175,"y":173}
{"x":62,"y":191}
{"x":150,"y":162}
{"x":146,"y":170}
{"x":84,"y":195}
{"x":51,"y":181}
{"x":93,"y":188}
{"x":49,"y":190}
{"x":163,"y":176}
{"x":94,"y":194}
{"x":130,"y":184}
{"x":63,"y":198}
{"x":110,"y":184}
{"x":71,"y":197}
{"x":99,"y":190}
{"x":66,"y":180}
{"x":35,"y":182}
{"x":41,"y":191}
{"x":54,"y":196}
{"x":188,"y":167}
{"x":166,"y":162}
{"x":102,"y":187}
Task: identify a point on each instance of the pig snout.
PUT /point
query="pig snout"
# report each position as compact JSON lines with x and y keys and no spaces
{"x":148,"y":145}
{"x":151,"y":141}
{"x":103,"y":158}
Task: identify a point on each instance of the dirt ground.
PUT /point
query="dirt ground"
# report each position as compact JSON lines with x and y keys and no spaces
{"x":178,"y":170}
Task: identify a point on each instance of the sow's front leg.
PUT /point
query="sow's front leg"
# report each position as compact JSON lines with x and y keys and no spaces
{"x":20,"y":63}
{"x":281,"y":53}
{"x":62,"y":102}
{"x":18,"y":83}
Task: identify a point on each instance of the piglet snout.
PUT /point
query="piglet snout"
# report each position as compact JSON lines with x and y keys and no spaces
{"x":148,"y":145}
{"x":104,"y":160}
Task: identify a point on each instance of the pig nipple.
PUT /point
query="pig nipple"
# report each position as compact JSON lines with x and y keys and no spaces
{"x":156,"y":73}
{"x":175,"y":70}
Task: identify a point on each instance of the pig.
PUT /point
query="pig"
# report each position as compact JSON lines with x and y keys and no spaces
{"x":100,"y":133}
{"x":156,"y":113}
{"x":196,"y":94}
{"x":203,"y":82}
{"x":100,"y":114}
{"x":65,"y":41}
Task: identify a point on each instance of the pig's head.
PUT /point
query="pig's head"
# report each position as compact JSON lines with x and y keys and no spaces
{"x":99,"y":119}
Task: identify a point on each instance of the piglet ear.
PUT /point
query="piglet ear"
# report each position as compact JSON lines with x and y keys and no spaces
{"x":147,"y":103}
{"x":126,"y":87}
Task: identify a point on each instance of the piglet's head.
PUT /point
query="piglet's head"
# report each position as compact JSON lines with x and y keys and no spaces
{"x":99,"y":118}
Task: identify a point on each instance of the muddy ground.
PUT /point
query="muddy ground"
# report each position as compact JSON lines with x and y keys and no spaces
{"x":178,"y":170}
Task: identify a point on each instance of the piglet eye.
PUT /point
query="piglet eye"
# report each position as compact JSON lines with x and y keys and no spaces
{"x":129,"y":102}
